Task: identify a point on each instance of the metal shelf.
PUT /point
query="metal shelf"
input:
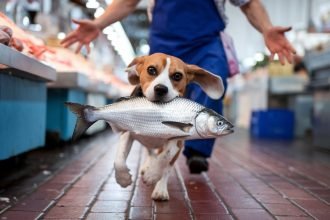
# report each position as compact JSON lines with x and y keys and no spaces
{"x":76,"y":80}
{"x":23,"y":66}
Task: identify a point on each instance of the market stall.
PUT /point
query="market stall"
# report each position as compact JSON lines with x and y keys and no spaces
{"x":42,"y":75}
{"x":23,"y":95}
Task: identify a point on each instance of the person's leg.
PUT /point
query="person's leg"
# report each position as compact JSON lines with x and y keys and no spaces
{"x":197,"y":151}
{"x":204,"y":146}
{"x":214,"y":61}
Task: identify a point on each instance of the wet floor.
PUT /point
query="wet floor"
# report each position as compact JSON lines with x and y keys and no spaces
{"x":248,"y":179}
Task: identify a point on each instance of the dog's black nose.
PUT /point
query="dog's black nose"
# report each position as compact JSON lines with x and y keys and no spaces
{"x":160,"y":90}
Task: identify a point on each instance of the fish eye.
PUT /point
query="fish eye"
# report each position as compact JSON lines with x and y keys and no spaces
{"x":220,"y":123}
{"x":177,"y":76}
{"x":152,"y":71}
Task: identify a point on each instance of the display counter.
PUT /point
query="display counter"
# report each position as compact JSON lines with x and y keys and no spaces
{"x":318,"y":65}
{"x":23,"y":95}
{"x":72,"y":87}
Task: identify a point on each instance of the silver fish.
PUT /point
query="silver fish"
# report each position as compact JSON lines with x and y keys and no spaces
{"x":152,"y":123}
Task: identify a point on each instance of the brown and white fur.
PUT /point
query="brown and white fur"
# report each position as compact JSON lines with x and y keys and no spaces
{"x":160,"y":77}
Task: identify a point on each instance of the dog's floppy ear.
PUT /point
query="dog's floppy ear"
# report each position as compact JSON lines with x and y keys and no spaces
{"x":211,"y":84}
{"x":132,"y":70}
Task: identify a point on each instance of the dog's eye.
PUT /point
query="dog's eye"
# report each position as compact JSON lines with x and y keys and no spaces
{"x":177,"y":76}
{"x":152,"y":71}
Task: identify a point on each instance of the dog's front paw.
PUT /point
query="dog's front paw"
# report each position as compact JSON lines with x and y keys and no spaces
{"x":123,"y":177}
{"x":151,"y":175}
{"x":160,"y":194}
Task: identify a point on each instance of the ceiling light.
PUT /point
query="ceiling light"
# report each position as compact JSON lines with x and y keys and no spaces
{"x":92,"y":4}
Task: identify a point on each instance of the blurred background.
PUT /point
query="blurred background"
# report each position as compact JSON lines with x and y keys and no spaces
{"x":267,"y":99}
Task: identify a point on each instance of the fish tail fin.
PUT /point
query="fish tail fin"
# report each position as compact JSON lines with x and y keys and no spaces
{"x":83,"y":120}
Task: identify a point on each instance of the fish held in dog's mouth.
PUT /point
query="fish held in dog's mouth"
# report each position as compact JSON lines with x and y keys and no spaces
{"x":179,"y":118}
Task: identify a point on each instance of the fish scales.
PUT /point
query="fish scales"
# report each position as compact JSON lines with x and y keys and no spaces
{"x":154,"y":123}
{"x":146,"y":117}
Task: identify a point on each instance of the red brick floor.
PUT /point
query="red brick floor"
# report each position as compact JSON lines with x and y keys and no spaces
{"x":248,"y":179}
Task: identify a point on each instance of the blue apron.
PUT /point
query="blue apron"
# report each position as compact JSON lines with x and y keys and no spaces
{"x":189,"y":29}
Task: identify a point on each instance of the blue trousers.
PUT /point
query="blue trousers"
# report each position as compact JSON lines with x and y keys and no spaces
{"x":215,"y":61}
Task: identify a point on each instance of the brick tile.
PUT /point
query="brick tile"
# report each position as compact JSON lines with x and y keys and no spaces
{"x":208,"y":208}
{"x":297,"y":194}
{"x":177,"y":196}
{"x":69,"y":200}
{"x":266,"y":198}
{"x":114,"y":195}
{"x":141,"y":198}
{"x":45,"y":195}
{"x":197,"y":187}
{"x":285,"y":209}
{"x":19,"y":215}
{"x":315,"y":207}
{"x":32,"y":205}
{"x":202,"y":196}
{"x":109,"y":206}
{"x":106,"y":216}
{"x":321,"y":192}
{"x":48,"y":186}
{"x":174,"y":187}
{"x":213,"y":217}
{"x":309,"y":184}
{"x":327,"y":199}
{"x":241,"y":202}
{"x":116,"y":187}
{"x":3,"y":205}
{"x":62,"y":218}
{"x":283,"y":185}
{"x":82,"y":191}
{"x":230,"y":190}
{"x":140,"y":213}
{"x":65,"y":212}
{"x":112,"y":180}
{"x":143,"y":187}
{"x":251,"y":214}
{"x":161,"y":216}
{"x":261,"y":190}
{"x":171,"y":207}
{"x":63,"y":178}
{"x":89,"y":183}
{"x":271,"y":178}
{"x":293,"y":218}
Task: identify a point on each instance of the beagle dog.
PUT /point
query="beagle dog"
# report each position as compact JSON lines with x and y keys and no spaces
{"x":160,"y":77}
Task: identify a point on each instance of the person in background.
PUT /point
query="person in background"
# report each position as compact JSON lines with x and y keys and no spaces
{"x":190,"y":30}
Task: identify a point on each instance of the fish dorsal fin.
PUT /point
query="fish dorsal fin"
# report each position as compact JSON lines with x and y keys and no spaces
{"x":123,"y":98}
{"x":179,"y":125}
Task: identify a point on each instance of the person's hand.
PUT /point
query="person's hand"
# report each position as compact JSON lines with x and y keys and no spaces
{"x":277,"y":43}
{"x":84,"y":34}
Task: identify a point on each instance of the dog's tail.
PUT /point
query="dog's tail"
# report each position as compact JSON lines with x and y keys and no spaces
{"x":84,"y":119}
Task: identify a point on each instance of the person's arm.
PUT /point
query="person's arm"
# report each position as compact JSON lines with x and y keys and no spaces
{"x":116,"y":11}
{"x":88,"y":30}
{"x":274,"y":37}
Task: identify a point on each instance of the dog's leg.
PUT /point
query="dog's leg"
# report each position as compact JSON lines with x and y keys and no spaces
{"x":146,"y":164}
{"x":159,"y":163}
{"x":160,"y":191}
{"x":123,"y":177}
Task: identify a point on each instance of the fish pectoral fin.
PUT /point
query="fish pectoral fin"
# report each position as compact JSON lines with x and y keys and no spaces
{"x":179,"y":125}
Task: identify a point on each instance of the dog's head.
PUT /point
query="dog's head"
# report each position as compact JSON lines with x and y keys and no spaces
{"x":163,"y":77}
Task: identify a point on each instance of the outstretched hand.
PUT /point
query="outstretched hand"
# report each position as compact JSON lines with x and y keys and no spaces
{"x":84,"y":34}
{"x":277,"y":43}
